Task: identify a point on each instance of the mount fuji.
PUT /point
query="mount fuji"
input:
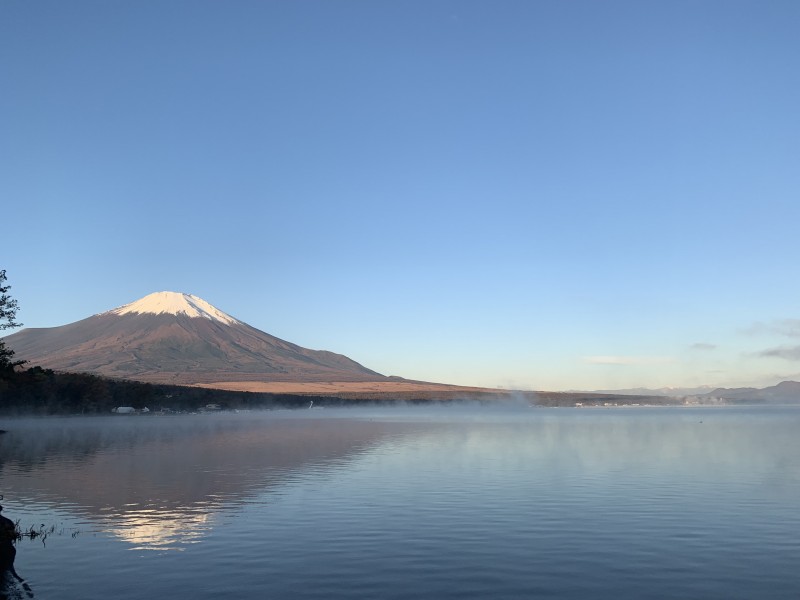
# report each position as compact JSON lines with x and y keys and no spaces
{"x":170,"y":337}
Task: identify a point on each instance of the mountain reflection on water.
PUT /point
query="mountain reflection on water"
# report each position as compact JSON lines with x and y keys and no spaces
{"x":438,"y":502}
{"x":157,"y":482}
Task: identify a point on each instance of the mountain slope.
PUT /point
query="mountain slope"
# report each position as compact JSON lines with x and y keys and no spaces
{"x":179,"y":338}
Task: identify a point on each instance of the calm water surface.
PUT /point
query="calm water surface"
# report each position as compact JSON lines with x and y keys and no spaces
{"x":453,"y":502}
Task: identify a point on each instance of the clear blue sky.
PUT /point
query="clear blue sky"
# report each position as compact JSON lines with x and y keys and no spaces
{"x":541,"y":195}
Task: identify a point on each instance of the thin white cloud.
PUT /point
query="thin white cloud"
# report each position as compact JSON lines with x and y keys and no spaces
{"x":788,"y":327}
{"x":703,"y":346}
{"x":787,"y":352}
{"x":785,"y":327}
{"x":628,"y":360}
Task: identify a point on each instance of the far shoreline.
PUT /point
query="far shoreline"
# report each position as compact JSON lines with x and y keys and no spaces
{"x":41,"y":392}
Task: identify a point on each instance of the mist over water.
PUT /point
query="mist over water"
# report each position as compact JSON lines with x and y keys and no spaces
{"x":447,"y":501}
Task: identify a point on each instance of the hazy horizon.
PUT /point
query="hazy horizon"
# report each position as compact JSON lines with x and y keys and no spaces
{"x":525,"y":195}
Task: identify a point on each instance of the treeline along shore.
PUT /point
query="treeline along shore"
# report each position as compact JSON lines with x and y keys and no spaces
{"x":38,"y":391}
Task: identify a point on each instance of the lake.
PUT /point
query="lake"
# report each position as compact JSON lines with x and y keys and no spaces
{"x":458,"y":501}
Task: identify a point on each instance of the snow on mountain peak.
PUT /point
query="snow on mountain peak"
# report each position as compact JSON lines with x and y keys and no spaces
{"x":174,"y":303}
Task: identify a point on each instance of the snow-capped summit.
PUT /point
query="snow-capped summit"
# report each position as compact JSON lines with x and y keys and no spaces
{"x":174,"y":303}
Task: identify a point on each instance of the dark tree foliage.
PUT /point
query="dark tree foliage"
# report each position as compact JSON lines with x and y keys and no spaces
{"x":8,"y":315}
{"x":8,"y":306}
{"x":47,"y":392}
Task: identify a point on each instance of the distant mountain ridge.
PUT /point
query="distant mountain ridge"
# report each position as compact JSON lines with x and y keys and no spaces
{"x":170,"y":337}
{"x":784,"y":392}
